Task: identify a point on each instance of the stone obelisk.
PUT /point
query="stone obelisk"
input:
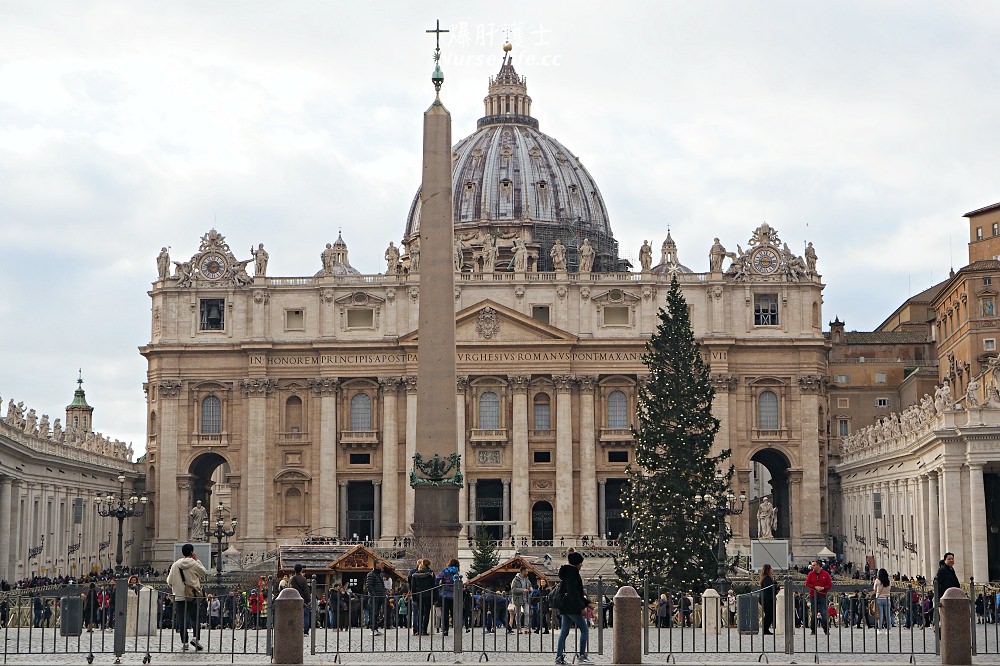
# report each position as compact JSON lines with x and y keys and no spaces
{"x":435,"y":525}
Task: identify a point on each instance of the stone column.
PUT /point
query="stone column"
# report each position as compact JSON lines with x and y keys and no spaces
{"x":588,"y":455}
{"x":809,"y":520}
{"x":5,"y":515}
{"x":255,"y":392}
{"x":410,"y":383}
{"x":564,"y":457}
{"x":934,"y":521}
{"x":794,"y":515}
{"x":520,"y":464}
{"x":921,"y":513}
{"x":344,"y":533}
{"x":977,"y":523}
{"x":506,"y":505}
{"x":377,"y":527}
{"x":390,"y":459}
{"x":325,"y":388}
{"x":473,"y":486}
{"x":461,"y":384}
{"x":167,"y":494}
{"x":602,"y":516}
{"x":952,"y":516}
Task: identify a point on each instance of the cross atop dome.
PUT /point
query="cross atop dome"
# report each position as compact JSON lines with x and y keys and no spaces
{"x":507,"y":100}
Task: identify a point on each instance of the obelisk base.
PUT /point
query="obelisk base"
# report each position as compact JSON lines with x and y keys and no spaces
{"x":435,"y":525}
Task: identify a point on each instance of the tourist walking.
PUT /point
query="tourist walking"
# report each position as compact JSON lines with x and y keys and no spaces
{"x":184,"y":579}
{"x":299,"y":583}
{"x":375,"y":589}
{"x":574,"y":600}
{"x":421,"y":585}
{"x":446,"y":579}
{"x":819,"y":583}
{"x":883,"y":600}
{"x":767,"y":598}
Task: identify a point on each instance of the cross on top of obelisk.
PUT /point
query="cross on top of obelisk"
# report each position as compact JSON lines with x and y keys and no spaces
{"x":437,"y":78}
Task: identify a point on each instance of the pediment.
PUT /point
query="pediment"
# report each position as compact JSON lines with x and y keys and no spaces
{"x":488,"y":321}
{"x":360,"y":298}
{"x":615,"y":297}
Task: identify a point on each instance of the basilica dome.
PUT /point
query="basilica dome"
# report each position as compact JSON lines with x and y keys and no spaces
{"x":510,"y":179}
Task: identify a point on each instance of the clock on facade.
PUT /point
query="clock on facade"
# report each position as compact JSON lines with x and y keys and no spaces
{"x":213,"y":266}
{"x":764,"y":260}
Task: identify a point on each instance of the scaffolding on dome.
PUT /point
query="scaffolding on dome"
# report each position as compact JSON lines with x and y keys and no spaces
{"x":572,"y":234}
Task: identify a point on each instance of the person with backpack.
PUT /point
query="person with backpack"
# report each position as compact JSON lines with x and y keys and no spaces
{"x":570,"y":600}
{"x":446,"y":579}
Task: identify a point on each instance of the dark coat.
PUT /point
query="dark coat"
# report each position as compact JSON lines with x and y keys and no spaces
{"x":946,"y":578}
{"x":374,"y":583}
{"x":767,"y":590}
{"x":574,"y":597}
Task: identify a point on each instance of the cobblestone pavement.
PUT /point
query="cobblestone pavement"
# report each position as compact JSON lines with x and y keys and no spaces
{"x":676,"y":646}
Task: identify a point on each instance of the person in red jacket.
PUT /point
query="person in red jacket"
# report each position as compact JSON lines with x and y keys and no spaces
{"x":819,"y":583}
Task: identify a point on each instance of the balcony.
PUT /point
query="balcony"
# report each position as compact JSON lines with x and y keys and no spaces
{"x":616,"y":436}
{"x":217,"y":439}
{"x":488,"y":436}
{"x":359,"y":439}
{"x":779,"y":434}
{"x":293,"y":439}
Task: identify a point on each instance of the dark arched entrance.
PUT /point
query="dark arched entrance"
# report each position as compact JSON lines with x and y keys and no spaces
{"x":541,"y":524}
{"x":774,"y":483}
{"x":202,"y":470}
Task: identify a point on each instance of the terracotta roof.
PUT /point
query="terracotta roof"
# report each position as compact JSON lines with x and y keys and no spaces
{"x":886,"y":337}
{"x":506,"y":570}
{"x":984,"y":209}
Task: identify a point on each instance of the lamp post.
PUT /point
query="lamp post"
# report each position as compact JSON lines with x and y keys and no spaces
{"x":725,"y":505}
{"x":220,"y":532}
{"x":121,"y":507}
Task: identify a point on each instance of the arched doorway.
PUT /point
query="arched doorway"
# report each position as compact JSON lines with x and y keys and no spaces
{"x":541,"y":524}
{"x":770,"y":479}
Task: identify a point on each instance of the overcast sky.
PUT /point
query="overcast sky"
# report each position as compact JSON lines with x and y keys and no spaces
{"x":868,"y":128}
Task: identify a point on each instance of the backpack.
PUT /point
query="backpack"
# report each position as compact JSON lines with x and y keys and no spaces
{"x":557,"y":597}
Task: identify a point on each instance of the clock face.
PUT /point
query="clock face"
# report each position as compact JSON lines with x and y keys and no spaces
{"x":765,"y":260}
{"x":213,"y":266}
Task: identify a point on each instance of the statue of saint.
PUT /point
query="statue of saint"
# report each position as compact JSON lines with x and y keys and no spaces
{"x":767,"y":519}
{"x":414,"y":254}
{"x":520,"y":256}
{"x":490,"y":254}
{"x":972,"y":394}
{"x":811,"y":258}
{"x":586,"y":256}
{"x":646,"y":256}
{"x":196,"y":526}
{"x":459,"y":256}
{"x":327,"y":259}
{"x":391,"y":259}
{"x":715,"y":257}
{"x":260,"y":257}
{"x":558,"y":254}
{"x":163,"y":264}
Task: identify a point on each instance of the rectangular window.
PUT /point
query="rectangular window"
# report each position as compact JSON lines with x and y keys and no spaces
{"x":990,"y":344}
{"x":881,"y":402}
{"x":877,"y":505}
{"x":360,"y":318}
{"x":540,"y":313}
{"x":616,"y":315}
{"x":543,"y":420}
{"x":617,"y":456}
{"x":295,"y":320}
{"x":987,"y":280}
{"x":212,"y":312}
{"x":765,"y":310}
{"x":996,"y":229}
{"x":842,"y":379}
{"x":361,"y":459}
{"x":979,"y":233}
{"x":880,"y":378}
{"x":843,"y":403}
{"x":543,"y":456}
{"x":844,"y":427}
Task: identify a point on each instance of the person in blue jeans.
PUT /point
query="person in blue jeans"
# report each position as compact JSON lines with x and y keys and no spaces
{"x":574,"y":601}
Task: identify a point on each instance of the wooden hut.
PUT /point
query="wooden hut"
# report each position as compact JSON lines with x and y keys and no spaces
{"x":499,"y":577}
{"x":335,"y":563}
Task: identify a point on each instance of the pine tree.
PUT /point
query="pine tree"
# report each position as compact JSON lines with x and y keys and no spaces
{"x":672,"y":539}
{"x":484,"y":553}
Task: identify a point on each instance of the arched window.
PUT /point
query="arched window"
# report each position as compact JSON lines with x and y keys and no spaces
{"x":543,"y":413}
{"x":767,"y":411}
{"x":293,"y":414}
{"x":489,"y":411}
{"x":617,"y":410}
{"x":211,"y":416}
{"x":361,"y":412}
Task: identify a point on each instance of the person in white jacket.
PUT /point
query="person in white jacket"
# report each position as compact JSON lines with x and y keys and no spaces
{"x":184,"y":579}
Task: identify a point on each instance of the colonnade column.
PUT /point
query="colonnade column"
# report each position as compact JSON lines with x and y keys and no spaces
{"x":411,"y":443}
{"x":519,"y":456}
{"x":602,"y":516}
{"x":506,"y":505}
{"x":5,"y":515}
{"x":326,"y":389}
{"x":461,"y":384}
{"x":377,"y":517}
{"x":255,"y":392}
{"x":390,"y":460}
{"x":934,"y":521}
{"x":588,"y":456}
{"x":564,"y":457}
{"x":344,"y":533}
{"x":977,"y":524}
{"x":952,"y":515}
{"x":471,"y":509}
{"x":920,"y":511}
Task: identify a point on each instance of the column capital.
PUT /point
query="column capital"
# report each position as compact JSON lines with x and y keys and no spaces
{"x":377,"y":483}
{"x":342,"y":484}
{"x":410,"y":383}
{"x":724,"y":382}
{"x":258,"y":387}
{"x":505,"y":482}
{"x":389,"y":384}
{"x":813,"y":383}
{"x":169,"y":388}
{"x":519,"y":383}
{"x":588,"y":383}
{"x":322,"y":386}
{"x":564,"y":383}
{"x":461,"y":383}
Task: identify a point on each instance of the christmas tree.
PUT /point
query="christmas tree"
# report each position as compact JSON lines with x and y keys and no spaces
{"x":484,"y":553}
{"x":672,"y":540}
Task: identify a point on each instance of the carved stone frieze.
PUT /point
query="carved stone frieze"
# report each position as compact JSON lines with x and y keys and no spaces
{"x":724,"y":382}
{"x":327,"y":296}
{"x":414,"y":294}
{"x":812,"y":383}
{"x":261,"y":296}
{"x":169,"y":388}
{"x":585,"y":292}
{"x":324,"y":385}
{"x":487,"y":323}
{"x":258,"y":388}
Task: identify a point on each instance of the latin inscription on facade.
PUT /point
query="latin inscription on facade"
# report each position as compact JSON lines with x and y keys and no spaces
{"x":461,"y":357}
